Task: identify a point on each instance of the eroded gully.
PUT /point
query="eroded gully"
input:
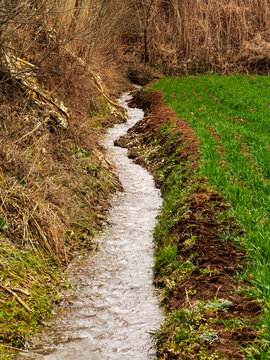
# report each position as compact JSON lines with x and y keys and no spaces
{"x":114,"y":306}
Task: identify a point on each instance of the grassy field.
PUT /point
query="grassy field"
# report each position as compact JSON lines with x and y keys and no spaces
{"x":231,"y":118}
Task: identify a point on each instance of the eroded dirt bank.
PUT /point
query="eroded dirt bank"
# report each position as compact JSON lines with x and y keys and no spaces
{"x":196,"y":261}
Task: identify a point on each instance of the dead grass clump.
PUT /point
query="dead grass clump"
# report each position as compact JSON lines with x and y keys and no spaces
{"x":54,"y":187}
{"x":198,"y":36}
{"x":255,"y":54}
{"x":49,"y":182}
{"x":54,"y":179}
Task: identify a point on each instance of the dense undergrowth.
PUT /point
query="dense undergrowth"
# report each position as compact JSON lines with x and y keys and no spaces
{"x":211,"y":240}
{"x":55,"y":183}
{"x":54,"y":196}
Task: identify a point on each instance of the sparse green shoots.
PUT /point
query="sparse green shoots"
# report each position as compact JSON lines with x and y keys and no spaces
{"x":218,"y":305}
{"x":3,"y":224}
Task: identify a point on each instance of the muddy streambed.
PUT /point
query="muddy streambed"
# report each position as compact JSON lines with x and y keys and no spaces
{"x":114,"y":306}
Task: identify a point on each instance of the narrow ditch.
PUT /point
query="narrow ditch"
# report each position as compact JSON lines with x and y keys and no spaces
{"x":114,"y":306}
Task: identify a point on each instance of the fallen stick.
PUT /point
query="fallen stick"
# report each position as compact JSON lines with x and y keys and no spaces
{"x":14,"y":348}
{"x":29,"y":133}
{"x":21,"y":291}
{"x":20,"y":301}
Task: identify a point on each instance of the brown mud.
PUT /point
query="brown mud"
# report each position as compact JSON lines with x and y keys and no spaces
{"x":217,"y":260}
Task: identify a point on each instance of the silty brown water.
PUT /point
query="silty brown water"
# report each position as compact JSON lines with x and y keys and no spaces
{"x":114,"y":306}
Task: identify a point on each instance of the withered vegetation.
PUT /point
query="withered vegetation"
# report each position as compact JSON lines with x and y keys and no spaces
{"x":55,"y":180}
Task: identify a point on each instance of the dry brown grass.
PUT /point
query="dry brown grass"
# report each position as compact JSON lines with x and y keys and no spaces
{"x":47,"y":189}
{"x":52,"y":195}
{"x":54,"y":180}
{"x":215,"y":35}
{"x":54,"y":189}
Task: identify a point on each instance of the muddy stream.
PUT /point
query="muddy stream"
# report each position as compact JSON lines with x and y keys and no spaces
{"x":114,"y":306}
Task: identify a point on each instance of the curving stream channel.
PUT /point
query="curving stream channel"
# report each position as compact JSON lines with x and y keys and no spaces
{"x":114,"y":306}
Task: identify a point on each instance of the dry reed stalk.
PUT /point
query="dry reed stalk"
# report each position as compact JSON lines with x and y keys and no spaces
{"x":16,"y":297}
{"x":204,"y":35}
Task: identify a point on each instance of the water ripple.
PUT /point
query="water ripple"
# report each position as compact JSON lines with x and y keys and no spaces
{"x":114,"y":306}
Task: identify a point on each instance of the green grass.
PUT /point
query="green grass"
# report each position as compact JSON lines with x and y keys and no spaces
{"x":231,"y":117}
{"x":40,"y":280}
{"x":185,"y":328}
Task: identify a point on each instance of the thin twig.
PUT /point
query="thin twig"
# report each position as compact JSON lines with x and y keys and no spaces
{"x":218,"y":291}
{"x":27,"y":308}
{"x":29,"y":133}
{"x":187,"y":297}
{"x":22,"y":291}
{"x":14,"y":348}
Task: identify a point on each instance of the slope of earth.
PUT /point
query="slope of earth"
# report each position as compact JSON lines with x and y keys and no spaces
{"x":54,"y":188}
{"x":211,"y":262}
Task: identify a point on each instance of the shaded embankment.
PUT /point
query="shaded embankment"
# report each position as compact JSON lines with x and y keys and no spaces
{"x":196,"y":259}
{"x":54,"y":191}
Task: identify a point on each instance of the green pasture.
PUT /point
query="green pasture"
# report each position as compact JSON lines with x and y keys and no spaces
{"x":231,"y":118}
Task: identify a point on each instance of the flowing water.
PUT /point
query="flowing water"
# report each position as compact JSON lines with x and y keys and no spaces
{"x":114,"y":306}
